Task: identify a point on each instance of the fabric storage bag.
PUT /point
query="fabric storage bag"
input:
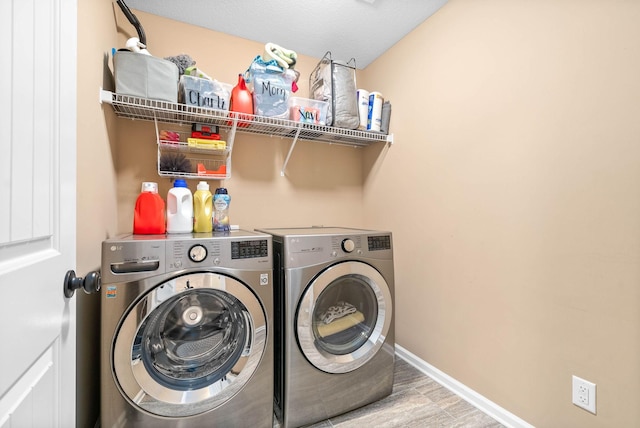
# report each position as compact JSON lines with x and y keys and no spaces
{"x":271,"y":88}
{"x":335,"y":82}
{"x":145,"y":76}
{"x":205,"y":93}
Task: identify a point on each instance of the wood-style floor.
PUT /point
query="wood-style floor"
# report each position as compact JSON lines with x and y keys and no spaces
{"x":417,"y":401}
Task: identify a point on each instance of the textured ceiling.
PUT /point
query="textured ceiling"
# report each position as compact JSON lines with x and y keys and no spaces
{"x":360,"y":29}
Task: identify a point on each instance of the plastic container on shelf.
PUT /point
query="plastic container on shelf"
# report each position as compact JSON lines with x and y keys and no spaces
{"x":306,"y":110}
{"x":205,"y":93}
{"x":179,"y":208}
{"x":149,"y":214}
{"x":202,"y":208}
{"x":221,"y":201}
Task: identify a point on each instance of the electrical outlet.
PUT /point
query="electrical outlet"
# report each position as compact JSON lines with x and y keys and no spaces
{"x":584,"y":394}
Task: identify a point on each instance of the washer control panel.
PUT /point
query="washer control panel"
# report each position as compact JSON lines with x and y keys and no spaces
{"x":215,"y":252}
{"x":187,"y":253}
{"x":198,"y":253}
{"x":139,"y":256}
{"x":249,"y":249}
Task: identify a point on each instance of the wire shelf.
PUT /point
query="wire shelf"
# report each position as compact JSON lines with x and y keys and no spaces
{"x":145,"y":109}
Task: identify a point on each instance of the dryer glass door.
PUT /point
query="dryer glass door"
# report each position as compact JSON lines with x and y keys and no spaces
{"x":190,"y":344}
{"x":344,"y":317}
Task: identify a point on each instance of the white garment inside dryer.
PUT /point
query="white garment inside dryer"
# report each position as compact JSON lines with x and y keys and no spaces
{"x":336,"y":311}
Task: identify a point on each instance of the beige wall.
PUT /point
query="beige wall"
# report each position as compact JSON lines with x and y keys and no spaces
{"x":323,"y":183}
{"x":96,"y":183}
{"x":516,"y":224}
{"x":511,"y":191}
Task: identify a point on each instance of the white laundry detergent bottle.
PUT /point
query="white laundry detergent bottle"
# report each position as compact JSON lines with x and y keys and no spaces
{"x":179,"y":208}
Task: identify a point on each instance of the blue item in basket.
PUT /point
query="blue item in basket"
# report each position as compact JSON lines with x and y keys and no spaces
{"x":271,"y":88}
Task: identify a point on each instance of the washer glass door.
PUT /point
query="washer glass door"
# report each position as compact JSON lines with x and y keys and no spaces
{"x":189,"y":344}
{"x":343,"y":317}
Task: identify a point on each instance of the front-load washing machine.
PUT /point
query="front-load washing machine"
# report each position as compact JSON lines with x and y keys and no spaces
{"x":333,"y":314}
{"x":186,"y":331}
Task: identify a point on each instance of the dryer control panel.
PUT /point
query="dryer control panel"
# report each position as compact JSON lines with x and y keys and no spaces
{"x":379,"y":242}
{"x":314,"y":248}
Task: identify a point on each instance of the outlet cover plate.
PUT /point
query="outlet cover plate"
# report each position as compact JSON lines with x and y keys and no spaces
{"x":584,"y":394}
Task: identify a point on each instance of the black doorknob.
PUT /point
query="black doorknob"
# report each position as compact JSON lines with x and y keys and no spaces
{"x":90,"y":283}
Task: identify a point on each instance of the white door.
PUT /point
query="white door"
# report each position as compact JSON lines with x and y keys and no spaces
{"x":37,"y":212}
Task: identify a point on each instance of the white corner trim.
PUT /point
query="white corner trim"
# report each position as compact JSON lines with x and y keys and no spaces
{"x":482,"y":403}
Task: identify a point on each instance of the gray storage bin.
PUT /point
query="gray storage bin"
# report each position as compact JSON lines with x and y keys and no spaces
{"x":145,"y":76}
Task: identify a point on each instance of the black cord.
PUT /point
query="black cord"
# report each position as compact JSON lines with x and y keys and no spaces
{"x":134,"y":21}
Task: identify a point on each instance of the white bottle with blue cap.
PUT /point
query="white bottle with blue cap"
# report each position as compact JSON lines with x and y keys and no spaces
{"x":179,"y":208}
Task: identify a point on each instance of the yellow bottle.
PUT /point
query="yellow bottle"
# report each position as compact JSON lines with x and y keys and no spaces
{"x":202,"y":208}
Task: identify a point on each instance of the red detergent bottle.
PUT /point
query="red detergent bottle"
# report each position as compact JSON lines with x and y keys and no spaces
{"x":241,"y":102}
{"x":149,"y":214}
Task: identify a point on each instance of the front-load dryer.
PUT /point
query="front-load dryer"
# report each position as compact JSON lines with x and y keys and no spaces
{"x":186,"y":331}
{"x":334,"y":328}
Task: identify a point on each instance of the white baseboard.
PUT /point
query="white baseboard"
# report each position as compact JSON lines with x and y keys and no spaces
{"x":487,"y":406}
